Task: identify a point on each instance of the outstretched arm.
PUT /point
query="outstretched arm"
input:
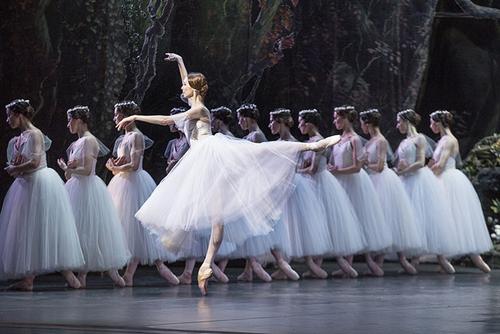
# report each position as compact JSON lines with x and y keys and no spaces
{"x":193,"y":113}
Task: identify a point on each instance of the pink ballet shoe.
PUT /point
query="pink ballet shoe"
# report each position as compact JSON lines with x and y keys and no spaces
{"x":288,"y":271}
{"x":408,"y":268}
{"x":480,"y":264}
{"x":21,"y":286}
{"x":219,"y":274}
{"x":117,"y":279}
{"x":167,"y":274}
{"x":310,"y":275}
{"x":346,"y":268}
{"x":260,"y":272}
{"x":185,"y":278}
{"x":245,"y":276}
{"x":316,"y":270}
{"x":204,"y":273}
{"x":71,"y":279}
{"x":446,"y":266}
{"x":374,"y":268}
{"x":128,"y":279}
{"x":82,"y":278}
{"x":279,"y":275}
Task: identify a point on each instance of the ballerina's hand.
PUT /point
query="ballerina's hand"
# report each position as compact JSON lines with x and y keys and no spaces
{"x":332,"y":168}
{"x":436,"y":169}
{"x":72,"y":163}
{"x":110,"y":165}
{"x":62,"y":164}
{"x":119,"y":161}
{"x":125,"y":122}
{"x":172,"y":56}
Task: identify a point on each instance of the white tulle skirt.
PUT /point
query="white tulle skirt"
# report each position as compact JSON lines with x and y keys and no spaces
{"x":398,"y":213}
{"x":222,"y":180}
{"x":101,"y":234}
{"x":129,"y":191}
{"x":365,"y":202}
{"x":37,"y":228}
{"x":473,"y":234}
{"x":432,"y":211}
{"x":346,"y":231}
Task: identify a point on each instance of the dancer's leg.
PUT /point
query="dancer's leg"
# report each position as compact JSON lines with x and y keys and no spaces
{"x":346,"y":267}
{"x":408,"y":268}
{"x":82,"y":277}
{"x":445,"y":264}
{"x":205,"y":271}
{"x":187,"y":275}
{"x":247,"y":274}
{"x":315,"y":270}
{"x":283,"y":265}
{"x":115,"y":276}
{"x":130,"y":271}
{"x":73,"y":282}
{"x":374,"y":268}
{"x":479,"y":262}
{"x":259,"y":270}
{"x":26,"y":284}
{"x":166,"y":273}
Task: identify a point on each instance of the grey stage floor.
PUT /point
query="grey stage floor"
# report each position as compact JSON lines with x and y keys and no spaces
{"x":468,"y":302}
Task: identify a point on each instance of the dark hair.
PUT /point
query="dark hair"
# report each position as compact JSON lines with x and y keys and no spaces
{"x":80,"y":112}
{"x":443,"y":116}
{"x":199,"y":82}
{"x":223,"y":114}
{"x":348,"y":112}
{"x":21,"y":106}
{"x":311,"y":116}
{"x":127,"y":108}
{"x":410,"y":115}
{"x":282,"y":115}
{"x":248,"y":110}
{"x":370,"y":116}
{"x":178,"y":110}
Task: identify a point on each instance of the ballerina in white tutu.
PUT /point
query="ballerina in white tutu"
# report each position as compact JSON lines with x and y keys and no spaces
{"x":37,"y":227}
{"x":343,"y":229}
{"x":473,"y":234}
{"x":176,"y":147}
{"x":213,"y":186}
{"x":222,"y":118}
{"x":346,"y":165}
{"x":426,"y":194}
{"x":101,"y":234}
{"x":398,"y":212}
{"x":130,"y":188}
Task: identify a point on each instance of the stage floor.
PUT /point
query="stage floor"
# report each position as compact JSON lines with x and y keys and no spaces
{"x":467,"y":302}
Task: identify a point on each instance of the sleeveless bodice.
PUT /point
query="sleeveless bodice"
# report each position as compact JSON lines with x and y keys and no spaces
{"x":342,"y":152}
{"x":80,"y":149}
{"x":127,"y":146}
{"x":23,"y":148}
{"x":450,"y":162}
{"x":371,"y":151}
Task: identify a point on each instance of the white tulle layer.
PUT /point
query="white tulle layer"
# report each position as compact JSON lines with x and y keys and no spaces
{"x":467,"y":214}
{"x":432,"y":212}
{"x":346,"y":232}
{"x":222,"y":180}
{"x":129,"y":191}
{"x":37,"y":228}
{"x":101,"y":234}
{"x":398,"y":213}
{"x":364,"y":199}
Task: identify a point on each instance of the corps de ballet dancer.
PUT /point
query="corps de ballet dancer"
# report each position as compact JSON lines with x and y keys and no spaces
{"x":176,"y":147}
{"x":130,"y":187}
{"x":346,"y":164}
{"x":396,"y":206}
{"x":473,"y":234}
{"x":101,"y":234}
{"x":427,"y":195}
{"x":38,"y":234}
{"x":204,"y":188}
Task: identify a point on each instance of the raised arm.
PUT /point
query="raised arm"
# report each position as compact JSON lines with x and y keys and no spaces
{"x":182,"y":68}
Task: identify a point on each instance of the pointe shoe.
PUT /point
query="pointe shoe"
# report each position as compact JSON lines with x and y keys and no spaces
{"x":279,"y":275}
{"x":117,"y":279}
{"x":71,"y":279}
{"x":347,"y":268}
{"x":82,"y":278}
{"x":480,"y":264}
{"x":260,"y":272}
{"x":324,"y":143}
{"x":21,"y":286}
{"x":129,"y":280}
{"x":219,"y":274}
{"x":204,"y":273}
{"x":288,"y":271}
{"x":317,"y":271}
{"x":408,"y":268}
{"x":375,"y":269}
{"x":245,"y":276}
{"x":185,"y":278}
{"x":447,"y":266}
{"x":168,"y":275}
{"x":338,"y":274}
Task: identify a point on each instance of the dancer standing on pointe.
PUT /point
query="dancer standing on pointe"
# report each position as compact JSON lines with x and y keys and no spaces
{"x":398,"y":211}
{"x":204,"y":189}
{"x":101,"y":234}
{"x":37,"y":227}
{"x":427,"y":195}
{"x":130,"y":188}
{"x":473,"y":234}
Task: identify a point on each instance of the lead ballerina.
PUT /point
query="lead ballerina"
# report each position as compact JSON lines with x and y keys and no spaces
{"x":204,"y":188}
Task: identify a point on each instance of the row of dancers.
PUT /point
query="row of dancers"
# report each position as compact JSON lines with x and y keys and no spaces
{"x":226,"y":198}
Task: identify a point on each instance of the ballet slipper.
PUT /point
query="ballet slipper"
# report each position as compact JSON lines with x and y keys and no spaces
{"x":287,"y":270}
{"x":219,"y":274}
{"x":279,"y":275}
{"x":185,"y":278}
{"x":21,"y":286}
{"x":71,"y":279}
{"x":338,"y":274}
{"x":446,"y":265}
{"x":167,"y":274}
{"x":260,"y":272}
{"x":82,"y":278}
{"x":479,"y":263}
{"x":129,"y":280}
{"x":204,"y":273}
{"x":408,"y":268}
{"x":375,"y":269}
{"x":117,"y":279}
{"x":245,"y":276}
{"x":346,"y":268}
{"x":316,"y":271}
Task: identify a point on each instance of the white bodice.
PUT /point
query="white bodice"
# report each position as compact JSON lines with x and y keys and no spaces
{"x":127,"y":146}
{"x":80,"y":149}
{"x":450,"y":162}
{"x":343,"y":151}
{"x":24,"y":148}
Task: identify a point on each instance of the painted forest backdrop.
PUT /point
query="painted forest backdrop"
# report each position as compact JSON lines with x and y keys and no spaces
{"x":389,"y":54}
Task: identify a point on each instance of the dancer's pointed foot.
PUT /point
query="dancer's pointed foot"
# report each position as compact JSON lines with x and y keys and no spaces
{"x":82,"y":277}
{"x":117,"y":279}
{"x":446,"y":265}
{"x":204,"y":273}
{"x":260,"y":272}
{"x":287,"y":270}
{"x":219,"y":274}
{"x":185,"y":278}
{"x":167,"y":274}
{"x":71,"y":279}
{"x":279,"y":275}
{"x":316,"y":271}
{"x":245,"y":276}
{"x":346,"y":268}
{"x":23,"y":285}
{"x":129,"y":279}
{"x":375,"y":269}
{"x":480,"y":264}
{"x":408,"y":268}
